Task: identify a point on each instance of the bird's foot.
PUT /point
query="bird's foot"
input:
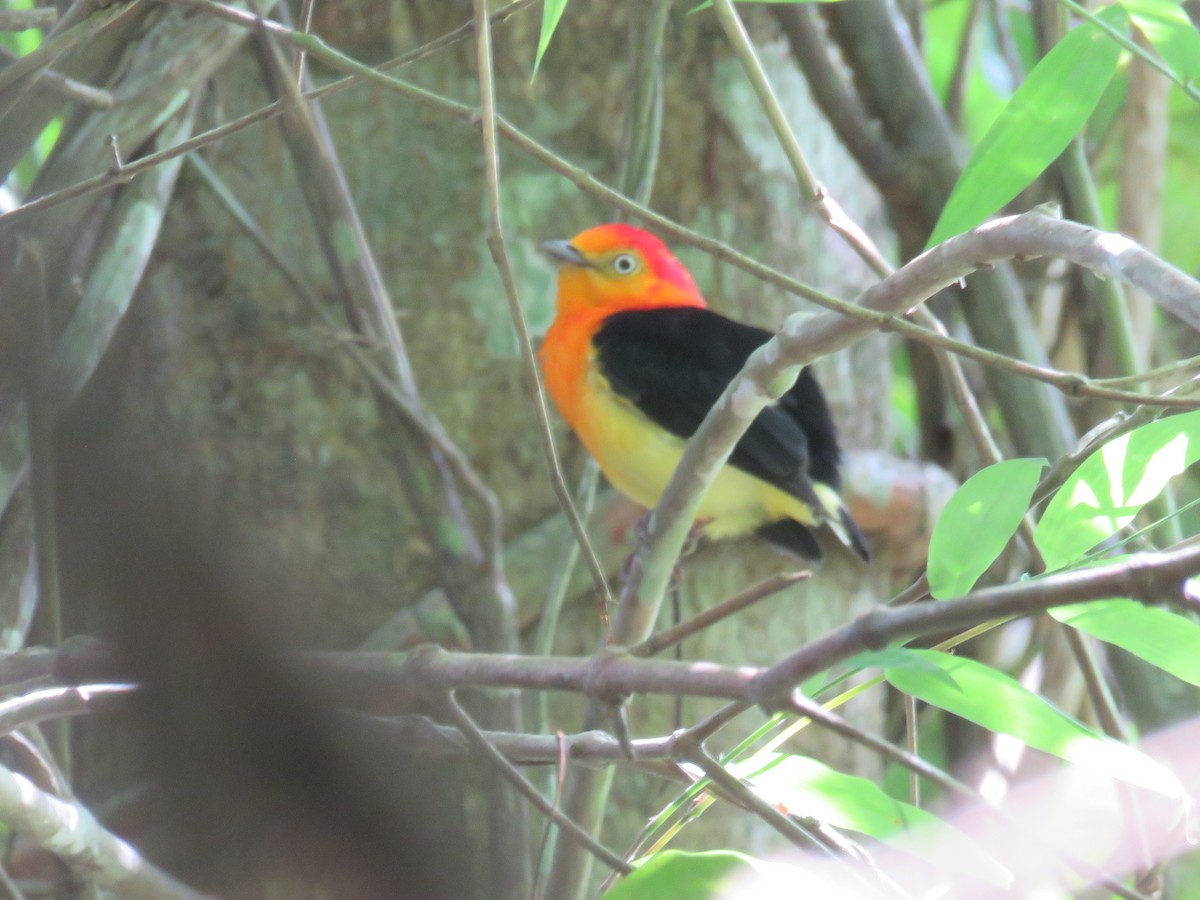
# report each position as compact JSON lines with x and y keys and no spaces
{"x":695,"y":537}
{"x":691,"y":544}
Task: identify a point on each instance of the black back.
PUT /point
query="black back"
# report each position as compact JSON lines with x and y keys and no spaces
{"x":673,"y":363}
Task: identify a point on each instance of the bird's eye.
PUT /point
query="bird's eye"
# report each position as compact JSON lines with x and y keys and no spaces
{"x":625,"y":264}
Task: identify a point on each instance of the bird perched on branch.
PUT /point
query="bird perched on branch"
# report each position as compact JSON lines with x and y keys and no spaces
{"x":634,"y":360}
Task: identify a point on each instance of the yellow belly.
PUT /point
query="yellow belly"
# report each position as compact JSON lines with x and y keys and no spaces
{"x":639,"y":458}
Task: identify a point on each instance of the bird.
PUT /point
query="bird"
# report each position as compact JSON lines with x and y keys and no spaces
{"x":634,"y":360}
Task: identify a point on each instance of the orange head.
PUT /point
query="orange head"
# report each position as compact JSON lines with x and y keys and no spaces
{"x":616,"y":267}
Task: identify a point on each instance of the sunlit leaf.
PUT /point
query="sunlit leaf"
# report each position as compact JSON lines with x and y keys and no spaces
{"x":808,"y":788}
{"x":1047,"y":110}
{"x":1159,"y":636}
{"x":1111,"y":486}
{"x":1168,"y":28}
{"x":999,"y":703}
{"x":898,"y":657}
{"x":552,"y":11}
{"x":977,"y":523}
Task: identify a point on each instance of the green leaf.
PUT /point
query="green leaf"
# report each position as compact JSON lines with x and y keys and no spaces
{"x":987,"y":82}
{"x":977,"y":523}
{"x":1159,"y":636}
{"x":999,"y":703}
{"x":552,"y":11}
{"x":674,"y":874}
{"x":898,"y":657}
{"x":125,"y":246}
{"x":1168,"y":28}
{"x":1111,"y":486}
{"x":805,"y":787}
{"x":1181,"y":190}
{"x":1046,"y":111}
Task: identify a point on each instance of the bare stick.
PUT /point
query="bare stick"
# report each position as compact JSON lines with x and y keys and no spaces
{"x":96,"y":98}
{"x":496,"y":246}
{"x":717,"y":613}
{"x":828,"y":208}
{"x":70,"y":831}
{"x":476,"y":738}
{"x":835,"y":216}
{"x":305,"y":23}
{"x":1149,"y":577}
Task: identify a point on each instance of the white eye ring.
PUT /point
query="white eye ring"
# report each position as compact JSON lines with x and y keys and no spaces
{"x":625,"y":264}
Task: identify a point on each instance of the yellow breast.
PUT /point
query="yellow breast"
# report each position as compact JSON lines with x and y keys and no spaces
{"x":639,"y":457}
{"x":635,"y":454}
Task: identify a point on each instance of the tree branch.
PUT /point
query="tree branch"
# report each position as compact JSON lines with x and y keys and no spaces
{"x":772,"y":368}
{"x":1147,"y":577}
{"x":569,"y":828}
{"x":70,"y":831}
{"x":496,"y":246}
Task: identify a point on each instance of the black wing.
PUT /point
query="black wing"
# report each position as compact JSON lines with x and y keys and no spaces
{"x":673,"y":363}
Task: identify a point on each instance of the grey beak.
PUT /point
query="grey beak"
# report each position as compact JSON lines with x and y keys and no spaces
{"x":563,"y":254}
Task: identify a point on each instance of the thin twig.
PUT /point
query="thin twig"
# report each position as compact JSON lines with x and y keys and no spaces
{"x":729,"y":784}
{"x":962,"y":64}
{"x":587,"y":792}
{"x":828,"y":208}
{"x":1188,"y":87}
{"x":835,"y":216}
{"x":559,"y":783}
{"x":960,"y":390}
{"x":56,"y":703}
{"x":914,"y":593}
{"x":472,"y":733}
{"x":1156,"y":277}
{"x":305,"y":25}
{"x":263,"y":114}
{"x":642,"y":134}
{"x":1148,"y":577}
{"x":826,"y":840}
{"x":829,"y":86}
{"x":717,"y":613}
{"x":711,"y":724}
{"x":496,"y":246}
{"x":1169,"y":369}
{"x":86,"y":94}
{"x":804,"y":339}
{"x":568,"y":555}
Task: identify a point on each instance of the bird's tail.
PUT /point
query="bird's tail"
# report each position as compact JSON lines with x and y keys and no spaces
{"x":839,"y":521}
